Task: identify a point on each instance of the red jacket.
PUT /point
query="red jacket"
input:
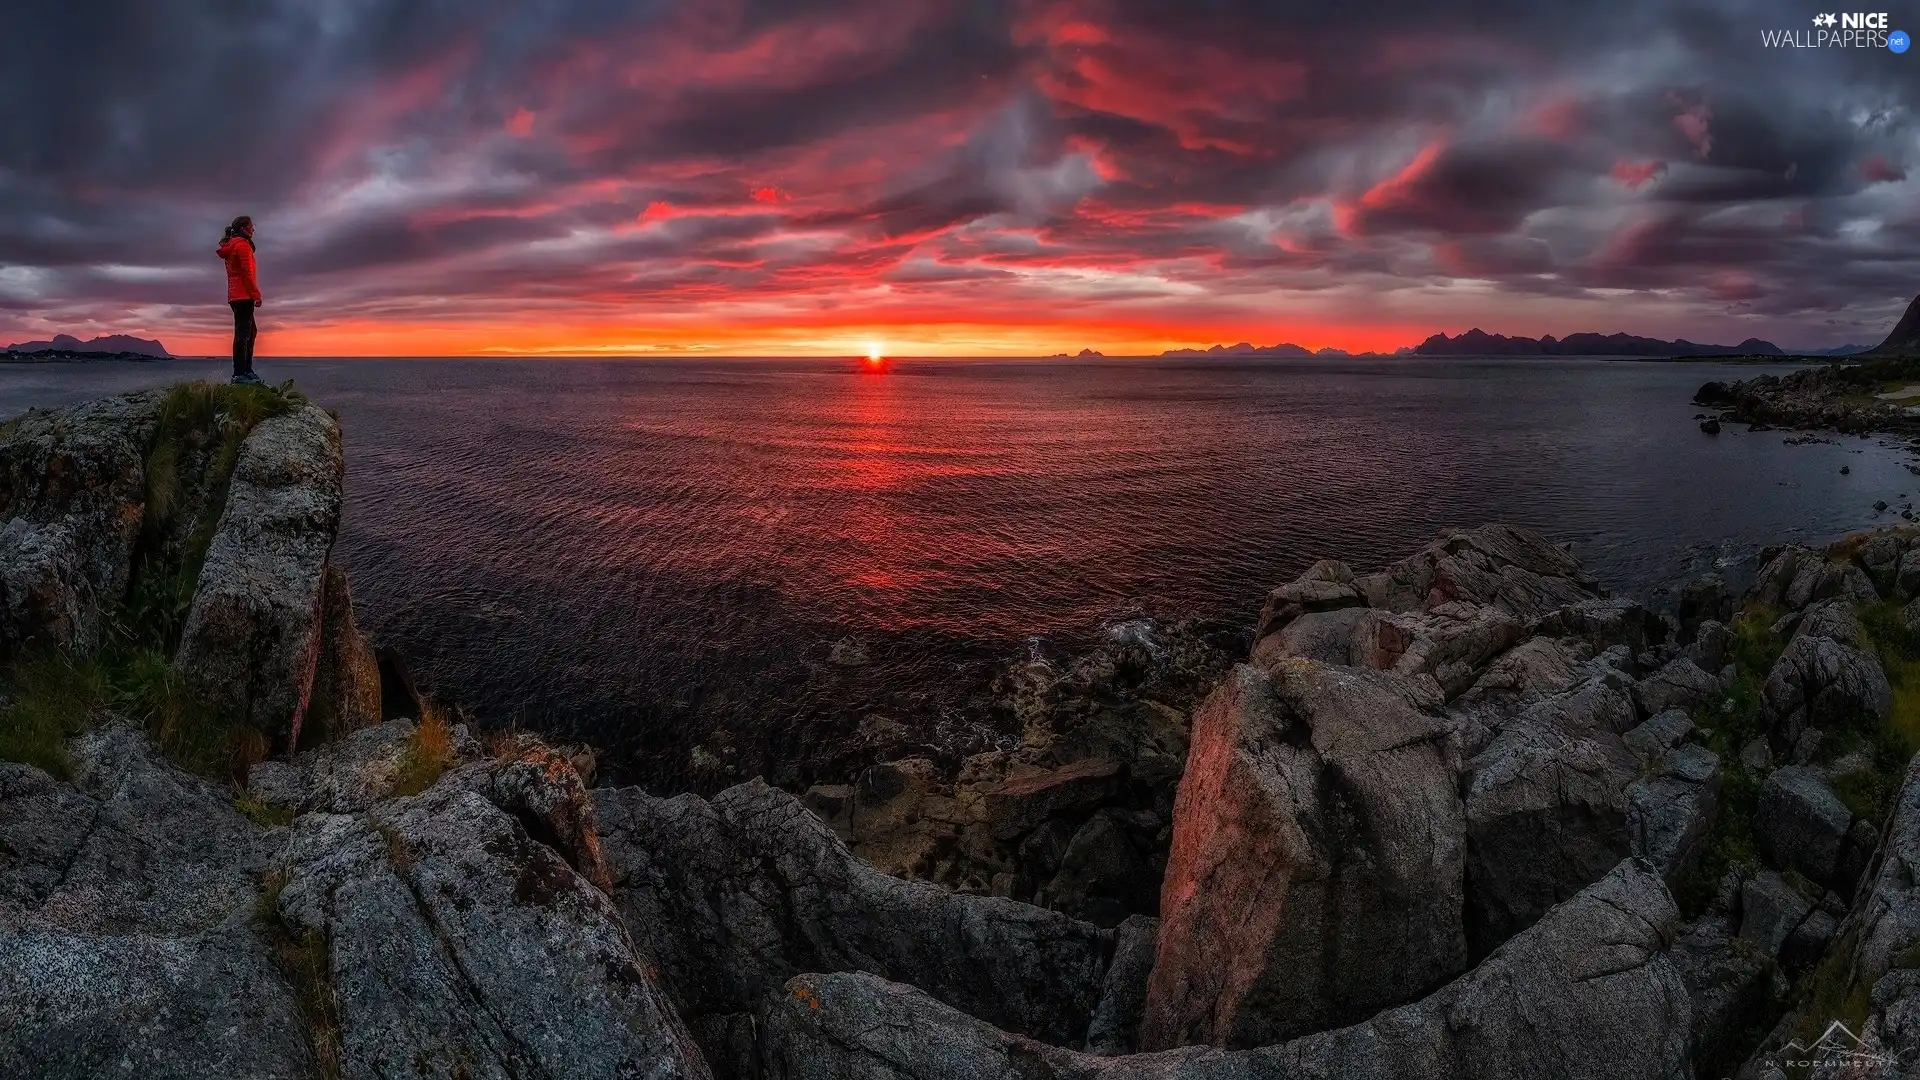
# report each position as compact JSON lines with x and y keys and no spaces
{"x":238,"y":253}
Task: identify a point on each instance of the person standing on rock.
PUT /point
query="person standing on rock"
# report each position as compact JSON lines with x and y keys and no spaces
{"x":243,"y":295}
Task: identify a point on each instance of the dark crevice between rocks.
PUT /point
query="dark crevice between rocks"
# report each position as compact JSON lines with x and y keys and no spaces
{"x":301,"y":957}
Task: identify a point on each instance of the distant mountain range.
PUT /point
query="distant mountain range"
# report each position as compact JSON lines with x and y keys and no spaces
{"x":1245,"y":349}
{"x":1477,"y":342}
{"x":110,"y":343}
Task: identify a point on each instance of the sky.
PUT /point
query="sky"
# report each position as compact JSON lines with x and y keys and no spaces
{"x":950,"y":177}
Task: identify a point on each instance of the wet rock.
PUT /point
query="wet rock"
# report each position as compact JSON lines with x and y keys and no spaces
{"x":1021,"y":804}
{"x":1756,"y":756}
{"x":1546,"y":807}
{"x":129,"y":945}
{"x":1671,"y":812}
{"x":1320,"y":790}
{"x":1123,"y":997}
{"x":1587,"y":992}
{"x":1820,"y":682}
{"x":72,"y":496}
{"x":253,"y":635}
{"x":733,"y":897}
{"x":1770,"y":909}
{"x":1800,"y":824}
{"x":1713,"y":393}
{"x":1679,"y":685}
{"x":1710,"y":426}
{"x":460,"y":944}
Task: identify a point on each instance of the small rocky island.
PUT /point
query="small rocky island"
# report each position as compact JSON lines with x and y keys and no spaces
{"x":1462,"y":815}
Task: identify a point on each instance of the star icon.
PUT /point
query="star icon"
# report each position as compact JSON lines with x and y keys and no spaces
{"x":1828,"y":19}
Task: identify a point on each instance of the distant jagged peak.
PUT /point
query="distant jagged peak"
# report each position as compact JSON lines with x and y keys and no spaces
{"x":1905,"y":339}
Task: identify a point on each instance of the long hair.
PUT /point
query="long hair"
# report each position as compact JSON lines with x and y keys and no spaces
{"x":236,"y":227}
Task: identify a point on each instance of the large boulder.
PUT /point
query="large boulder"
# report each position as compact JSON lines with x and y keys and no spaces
{"x":129,"y":941}
{"x":253,"y":635}
{"x":1796,"y":576}
{"x":1547,"y":805}
{"x":464,"y":938}
{"x":1315,"y":875}
{"x":1822,"y":683}
{"x":72,"y":499}
{"x":1452,"y":642}
{"x":734,"y":896}
{"x":1681,"y":684}
{"x":1588,"y":992}
{"x":1800,"y":824}
{"x":1671,"y":810}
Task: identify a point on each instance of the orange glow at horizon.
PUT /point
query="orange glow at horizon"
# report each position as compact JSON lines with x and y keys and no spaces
{"x":929,"y":339}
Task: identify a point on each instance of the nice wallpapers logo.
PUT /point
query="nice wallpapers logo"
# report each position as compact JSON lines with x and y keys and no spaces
{"x":1846,"y":30}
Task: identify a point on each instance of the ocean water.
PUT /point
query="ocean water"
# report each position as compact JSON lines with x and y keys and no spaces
{"x":658,"y":554}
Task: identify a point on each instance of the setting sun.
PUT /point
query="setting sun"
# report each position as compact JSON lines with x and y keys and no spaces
{"x":876,"y":351}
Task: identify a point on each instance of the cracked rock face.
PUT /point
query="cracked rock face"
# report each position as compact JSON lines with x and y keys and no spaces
{"x":72,"y":496}
{"x":1317,"y":860}
{"x":129,"y":941}
{"x":1587,"y":992}
{"x":252,"y":638}
{"x":734,"y":896}
{"x":460,"y":946}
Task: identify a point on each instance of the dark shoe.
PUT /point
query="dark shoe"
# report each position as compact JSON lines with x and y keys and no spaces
{"x":249,"y":379}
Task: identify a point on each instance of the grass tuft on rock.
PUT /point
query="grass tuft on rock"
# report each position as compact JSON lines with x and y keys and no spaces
{"x":56,"y":695}
{"x":429,"y":753}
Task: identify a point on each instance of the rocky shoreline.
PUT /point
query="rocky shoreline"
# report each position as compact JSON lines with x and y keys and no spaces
{"x":1464,"y":814}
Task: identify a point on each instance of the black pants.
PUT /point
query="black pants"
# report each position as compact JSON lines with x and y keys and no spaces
{"x":244,"y":331}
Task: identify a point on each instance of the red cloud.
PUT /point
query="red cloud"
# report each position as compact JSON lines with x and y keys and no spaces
{"x":1877,"y":169}
{"x":770,"y":194}
{"x":520,"y":123}
{"x":1693,"y":123}
{"x":1633,"y":175}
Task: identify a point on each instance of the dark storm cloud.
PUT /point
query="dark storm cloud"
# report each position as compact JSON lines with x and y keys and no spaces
{"x":488,"y":152}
